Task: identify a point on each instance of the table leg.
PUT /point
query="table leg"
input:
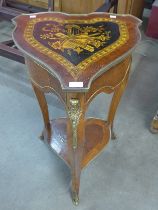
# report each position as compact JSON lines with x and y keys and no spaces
{"x":114,"y":104}
{"x":76,"y":173}
{"x":44,"y":109}
{"x":76,"y":116}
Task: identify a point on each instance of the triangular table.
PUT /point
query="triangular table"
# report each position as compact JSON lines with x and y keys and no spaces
{"x":77,"y":57}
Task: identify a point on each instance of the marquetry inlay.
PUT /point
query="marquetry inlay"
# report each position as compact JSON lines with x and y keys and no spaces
{"x":75,"y":44}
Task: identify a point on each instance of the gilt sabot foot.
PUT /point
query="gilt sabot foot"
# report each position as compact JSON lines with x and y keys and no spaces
{"x":75,"y":198}
{"x":154,"y":125}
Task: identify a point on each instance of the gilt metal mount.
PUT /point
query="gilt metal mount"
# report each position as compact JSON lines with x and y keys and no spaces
{"x":74,"y":113}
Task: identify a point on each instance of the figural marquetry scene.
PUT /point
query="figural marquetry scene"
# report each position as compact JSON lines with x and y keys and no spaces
{"x":76,"y":44}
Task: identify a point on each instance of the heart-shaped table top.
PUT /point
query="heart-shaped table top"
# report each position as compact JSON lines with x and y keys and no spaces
{"x":76,"y":48}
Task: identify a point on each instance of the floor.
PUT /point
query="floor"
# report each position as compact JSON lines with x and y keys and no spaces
{"x":124,"y":176}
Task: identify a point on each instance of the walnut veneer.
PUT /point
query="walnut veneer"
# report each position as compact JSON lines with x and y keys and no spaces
{"x":77,"y":57}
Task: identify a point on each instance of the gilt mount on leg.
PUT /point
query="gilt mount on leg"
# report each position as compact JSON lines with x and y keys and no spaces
{"x":74,"y":113}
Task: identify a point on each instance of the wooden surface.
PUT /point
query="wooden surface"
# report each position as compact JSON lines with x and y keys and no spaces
{"x":69,"y":6}
{"x":78,"y":57}
{"x":75,"y":139}
{"x":133,"y":7}
{"x":137,"y":8}
{"x":36,"y":3}
{"x":97,"y":134}
{"x":81,"y":6}
{"x":92,"y":134}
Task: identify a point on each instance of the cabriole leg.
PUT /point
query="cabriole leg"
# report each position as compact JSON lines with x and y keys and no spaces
{"x":44,"y":109}
{"x":76,"y":132}
{"x":114,"y":105}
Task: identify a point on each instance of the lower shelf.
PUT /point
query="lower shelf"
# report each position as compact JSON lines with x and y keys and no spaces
{"x":97,"y":135}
